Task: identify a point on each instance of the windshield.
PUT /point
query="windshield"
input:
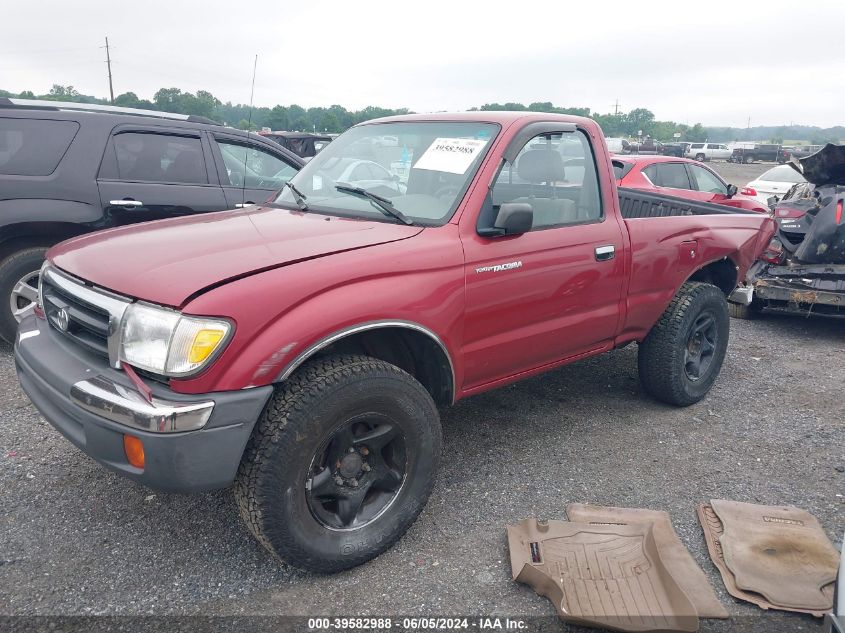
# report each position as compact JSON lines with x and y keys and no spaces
{"x":782,"y":173}
{"x":422,"y":168}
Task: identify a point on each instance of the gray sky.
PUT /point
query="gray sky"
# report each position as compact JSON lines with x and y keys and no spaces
{"x":714,"y":62}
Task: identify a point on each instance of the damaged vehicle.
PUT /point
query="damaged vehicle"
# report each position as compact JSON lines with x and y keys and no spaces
{"x":803,"y":269}
{"x":299,"y":350}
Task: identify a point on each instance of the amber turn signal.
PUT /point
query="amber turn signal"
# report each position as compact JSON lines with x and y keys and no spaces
{"x":134,"y":449}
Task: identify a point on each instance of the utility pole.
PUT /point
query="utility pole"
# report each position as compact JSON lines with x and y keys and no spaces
{"x":108,"y":64}
{"x":616,"y":107}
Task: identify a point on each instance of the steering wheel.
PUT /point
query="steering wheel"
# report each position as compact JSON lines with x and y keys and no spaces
{"x":266,"y":183}
{"x":447,"y":189}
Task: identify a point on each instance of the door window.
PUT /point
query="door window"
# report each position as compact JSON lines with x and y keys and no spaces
{"x":707,"y":181}
{"x":254,"y":168}
{"x":150,"y":157}
{"x":671,"y":175}
{"x":556,"y":175}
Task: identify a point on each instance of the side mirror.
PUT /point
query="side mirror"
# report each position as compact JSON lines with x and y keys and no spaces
{"x":732,"y":190}
{"x":514,"y":218}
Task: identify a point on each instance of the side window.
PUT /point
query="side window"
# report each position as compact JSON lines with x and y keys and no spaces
{"x":556,"y":175}
{"x":253,"y":167}
{"x":154,"y":157}
{"x":707,"y":181}
{"x":33,"y":147}
{"x":671,"y":175}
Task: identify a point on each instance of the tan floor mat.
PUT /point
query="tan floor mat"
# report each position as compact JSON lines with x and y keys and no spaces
{"x":779,"y":552}
{"x":673,"y":553}
{"x":600,"y":575}
{"x":713,"y":530}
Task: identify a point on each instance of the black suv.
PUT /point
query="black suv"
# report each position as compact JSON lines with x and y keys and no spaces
{"x":69,"y":168}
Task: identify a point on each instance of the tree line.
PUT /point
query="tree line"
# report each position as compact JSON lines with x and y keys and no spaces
{"x":336,"y":118}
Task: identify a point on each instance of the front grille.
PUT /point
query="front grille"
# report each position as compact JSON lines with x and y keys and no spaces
{"x":83,"y":322}
{"x":88,"y":316}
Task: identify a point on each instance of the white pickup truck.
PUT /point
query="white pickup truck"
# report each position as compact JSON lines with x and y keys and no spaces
{"x":708,"y":151}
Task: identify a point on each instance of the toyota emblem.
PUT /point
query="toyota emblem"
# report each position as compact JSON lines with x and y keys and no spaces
{"x":62,"y":320}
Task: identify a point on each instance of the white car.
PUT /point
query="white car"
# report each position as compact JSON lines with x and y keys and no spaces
{"x":774,"y":182}
{"x":708,"y":151}
{"x":617,"y":145}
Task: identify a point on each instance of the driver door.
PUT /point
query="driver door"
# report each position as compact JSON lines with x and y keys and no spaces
{"x":249,"y":173}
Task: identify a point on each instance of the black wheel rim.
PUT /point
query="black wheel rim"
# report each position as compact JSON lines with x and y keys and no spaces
{"x":357,"y":473}
{"x":701,"y":346}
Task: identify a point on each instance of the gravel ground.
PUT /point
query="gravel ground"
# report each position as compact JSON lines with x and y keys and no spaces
{"x":77,"y":539}
{"x":737,"y":173}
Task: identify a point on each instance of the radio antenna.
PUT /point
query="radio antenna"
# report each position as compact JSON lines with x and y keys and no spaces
{"x":248,"y":129}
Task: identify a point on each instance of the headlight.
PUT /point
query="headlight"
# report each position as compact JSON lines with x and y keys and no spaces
{"x":167,"y":342}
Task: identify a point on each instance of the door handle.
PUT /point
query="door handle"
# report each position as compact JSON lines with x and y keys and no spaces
{"x":605,"y":253}
{"x":241,"y":205}
{"x":126,"y":203}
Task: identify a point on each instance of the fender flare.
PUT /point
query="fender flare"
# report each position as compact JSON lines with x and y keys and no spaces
{"x":364,"y":327}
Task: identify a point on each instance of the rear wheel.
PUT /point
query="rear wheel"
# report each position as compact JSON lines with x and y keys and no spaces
{"x":747,"y":159}
{"x":700,"y":157}
{"x":682,"y":355}
{"x":340,"y":464}
{"x":18,"y":288}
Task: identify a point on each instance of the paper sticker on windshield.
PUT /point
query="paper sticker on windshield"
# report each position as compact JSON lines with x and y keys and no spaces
{"x":453,"y":155}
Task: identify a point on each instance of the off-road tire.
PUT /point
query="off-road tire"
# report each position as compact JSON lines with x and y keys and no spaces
{"x":661,"y":355}
{"x":12,"y":269}
{"x":306,"y":408}
{"x":742,"y":311}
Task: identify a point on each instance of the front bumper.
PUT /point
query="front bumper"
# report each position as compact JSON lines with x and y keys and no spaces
{"x":93,"y":406}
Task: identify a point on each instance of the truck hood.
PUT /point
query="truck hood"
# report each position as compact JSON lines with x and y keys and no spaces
{"x":170,"y":261}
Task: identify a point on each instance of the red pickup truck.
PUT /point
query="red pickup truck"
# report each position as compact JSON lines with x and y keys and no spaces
{"x":301,"y":349}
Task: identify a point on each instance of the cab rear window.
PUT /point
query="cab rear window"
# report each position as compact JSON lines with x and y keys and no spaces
{"x":33,"y":147}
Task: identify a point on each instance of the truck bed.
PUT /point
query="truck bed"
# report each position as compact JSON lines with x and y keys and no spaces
{"x":639,"y":204}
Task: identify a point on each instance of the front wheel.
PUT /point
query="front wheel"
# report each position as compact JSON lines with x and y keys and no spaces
{"x":18,"y":288}
{"x":748,"y":160}
{"x":340,"y":464}
{"x":700,"y":158}
{"x":682,"y":355}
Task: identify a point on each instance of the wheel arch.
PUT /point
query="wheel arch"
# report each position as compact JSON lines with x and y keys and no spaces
{"x":410,"y":346}
{"x":21,"y":235}
{"x":722,"y":273}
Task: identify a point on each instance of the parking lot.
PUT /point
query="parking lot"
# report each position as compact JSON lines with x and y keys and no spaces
{"x":77,"y":539}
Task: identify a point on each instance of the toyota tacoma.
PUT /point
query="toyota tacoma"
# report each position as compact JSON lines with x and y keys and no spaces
{"x":300,"y":349}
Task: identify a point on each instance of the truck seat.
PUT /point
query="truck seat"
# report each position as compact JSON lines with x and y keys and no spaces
{"x":544,"y":168}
